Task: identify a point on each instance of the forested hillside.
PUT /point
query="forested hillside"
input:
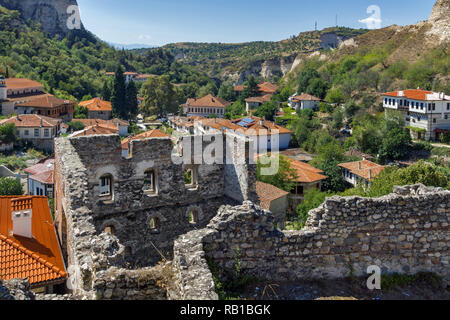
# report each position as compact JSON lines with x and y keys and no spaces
{"x":219,"y":59}
{"x":75,"y":65}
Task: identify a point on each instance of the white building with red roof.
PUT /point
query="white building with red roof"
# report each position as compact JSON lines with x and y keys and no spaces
{"x":426,"y":111}
{"x":206,"y":106}
{"x":304,"y":101}
{"x":361,"y":172}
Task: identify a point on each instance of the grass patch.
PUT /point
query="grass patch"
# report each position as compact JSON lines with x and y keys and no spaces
{"x":230,"y":285}
{"x":394,"y":281}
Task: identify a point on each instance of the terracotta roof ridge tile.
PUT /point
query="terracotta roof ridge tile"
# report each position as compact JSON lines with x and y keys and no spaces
{"x":31,"y":254}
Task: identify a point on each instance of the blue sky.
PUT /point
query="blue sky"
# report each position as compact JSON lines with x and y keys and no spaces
{"x":158,"y":22}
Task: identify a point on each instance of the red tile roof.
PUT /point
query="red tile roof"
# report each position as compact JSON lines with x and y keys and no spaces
{"x":42,"y":171}
{"x":306,"y":173}
{"x":32,"y":120}
{"x":267,"y":193}
{"x":155,"y":133}
{"x":417,"y":94}
{"x":96,"y":104}
{"x":46,"y":102}
{"x":21,"y":83}
{"x":208,"y":101}
{"x":39,"y":259}
{"x":95,"y":130}
{"x":305,"y":97}
{"x":265,"y":98}
{"x":265,"y":87}
{"x":363,"y":169}
{"x":267,"y":128}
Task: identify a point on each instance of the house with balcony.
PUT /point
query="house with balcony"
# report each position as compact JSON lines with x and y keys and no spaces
{"x":206,"y":106}
{"x":426,"y":113}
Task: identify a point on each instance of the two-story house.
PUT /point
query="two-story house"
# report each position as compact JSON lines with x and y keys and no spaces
{"x":206,"y":106}
{"x":36,"y":129}
{"x":426,"y":113}
{"x":49,"y":106}
{"x":304,"y":101}
{"x":361,"y":172}
{"x":98,"y":108}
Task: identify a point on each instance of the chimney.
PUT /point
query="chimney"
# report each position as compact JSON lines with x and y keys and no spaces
{"x":21,"y":217}
{"x":41,"y":122}
{"x":359,"y":165}
{"x":261,"y":121}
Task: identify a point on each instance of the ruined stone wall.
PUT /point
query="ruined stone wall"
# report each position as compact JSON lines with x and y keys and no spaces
{"x":82,"y":215}
{"x":405,"y":232}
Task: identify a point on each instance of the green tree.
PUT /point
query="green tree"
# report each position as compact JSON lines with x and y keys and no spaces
{"x":76,"y":125}
{"x":284,"y":178}
{"x":106,"y":91}
{"x":318,"y":87}
{"x":226,"y":92}
{"x":330,"y":156}
{"x":80,"y":112}
{"x":252,"y":89}
{"x":118,"y":96}
{"x":10,"y":187}
{"x":131,"y":100}
{"x":159,"y":96}
{"x":312,"y":200}
{"x":267,"y":110}
{"x":305,"y":78}
{"x":396,"y":144}
{"x":8,"y":133}
{"x":334,"y":96}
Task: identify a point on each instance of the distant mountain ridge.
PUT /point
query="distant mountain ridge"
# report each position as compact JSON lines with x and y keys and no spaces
{"x":134,"y":46}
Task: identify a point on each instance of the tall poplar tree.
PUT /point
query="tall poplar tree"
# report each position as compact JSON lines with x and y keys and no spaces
{"x":118,"y":97}
{"x":131,"y":100}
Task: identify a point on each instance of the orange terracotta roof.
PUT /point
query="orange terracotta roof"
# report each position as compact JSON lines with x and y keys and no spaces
{"x":220,"y":124}
{"x":21,"y":83}
{"x":255,"y":128}
{"x":32,"y":120}
{"x":208,"y":101}
{"x":95,"y":130}
{"x":416,"y":94}
{"x":265,"y":98}
{"x":306,"y":173}
{"x":265,"y":87}
{"x":113,"y":124}
{"x":46,"y":102}
{"x":305,"y":97}
{"x":130,"y":73}
{"x":267,"y":193}
{"x":39,"y":258}
{"x":155,"y":133}
{"x":363,"y":169}
{"x":96,"y":104}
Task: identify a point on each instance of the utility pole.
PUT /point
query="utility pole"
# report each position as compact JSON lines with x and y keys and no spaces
{"x":336,"y":20}
{"x":315,"y":26}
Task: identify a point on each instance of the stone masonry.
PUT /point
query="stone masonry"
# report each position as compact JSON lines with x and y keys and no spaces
{"x":406,"y":232}
{"x":98,"y":233}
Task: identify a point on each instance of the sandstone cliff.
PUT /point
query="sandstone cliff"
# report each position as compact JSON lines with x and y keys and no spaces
{"x":53,"y":15}
{"x":440,"y":20}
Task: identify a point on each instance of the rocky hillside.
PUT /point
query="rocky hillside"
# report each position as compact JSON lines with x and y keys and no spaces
{"x":384,"y":59}
{"x":236,"y":62}
{"x":53,"y":15}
